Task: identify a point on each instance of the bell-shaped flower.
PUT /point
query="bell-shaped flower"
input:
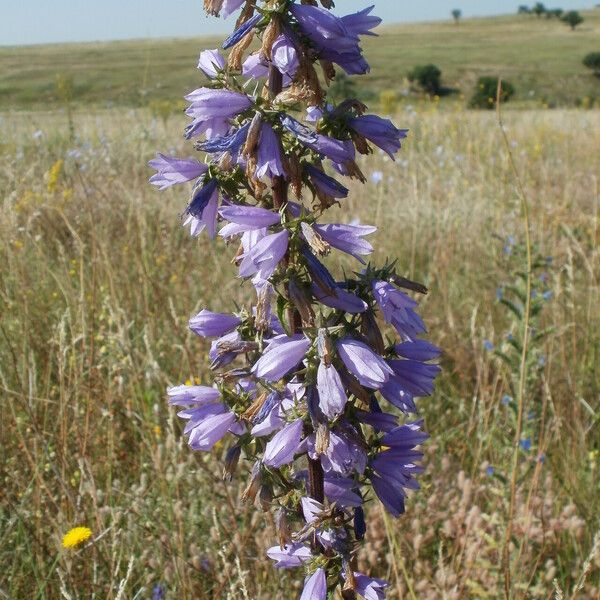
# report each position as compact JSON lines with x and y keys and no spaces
{"x":208,"y":103}
{"x":290,"y":556}
{"x":184,"y":395}
{"x":172,"y":170}
{"x":285,"y":56}
{"x":264,"y":257}
{"x":370,"y":588}
{"x":211,"y":62}
{"x":284,"y":445}
{"x":202,"y":210}
{"x":361,"y":22}
{"x":269,"y":159}
{"x":326,"y":184}
{"x":281,"y":356}
{"x":415,"y":377}
{"x":398,"y":309}
{"x":420,"y":350}
{"x":367,"y":366}
{"x":382,"y":132}
{"x":347,"y":238}
{"x":315,"y":586}
{"x":242,"y":30}
{"x":332,"y":396}
{"x":210,"y":324}
{"x":246,"y":218}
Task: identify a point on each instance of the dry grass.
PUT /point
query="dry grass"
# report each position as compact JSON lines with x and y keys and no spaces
{"x":96,"y":285}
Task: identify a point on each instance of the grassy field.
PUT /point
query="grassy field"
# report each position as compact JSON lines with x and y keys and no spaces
{"x":541,"y":57}
{"x":96,"y":284}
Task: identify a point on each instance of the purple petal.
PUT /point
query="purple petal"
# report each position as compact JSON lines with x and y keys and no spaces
{"x":290,"y":556}
{"x":211,"y":62}
{"x":332,"y":396}
{"x":172,"y":170}
{"x":315,"y":587}
{"x":210,"y":324}
{"x":284,"y":445}
{"x":367,"y":366}
{"x":275,"y":364}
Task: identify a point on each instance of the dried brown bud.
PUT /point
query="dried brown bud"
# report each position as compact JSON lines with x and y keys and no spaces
{"x":253,"y":409}
{"x":263,"y":305}
{"x":250,"y":492}
{"x":283,"y":527}
{"x":360,"y":142}
{"x":349,"y":589}
{"x":213,"y":7}
{"x":237,"y":52}
{"x":322,"y":439}
{"x":253,"y":135}
{"x":371,"y":331}
{"x":294,"y":172}
{"x":328,"y":70}
{"x":231,"y":462}
{"x":328,"y":4}
{"x":407,"y":284}
{"x":225,"y":162}
{"x":272,"y":32}
{"x":265,"y":497}
{"x":354,"y":171}
{"x":324,"y":346}
{"x":314,"y":240}
{"x":301,"y":299}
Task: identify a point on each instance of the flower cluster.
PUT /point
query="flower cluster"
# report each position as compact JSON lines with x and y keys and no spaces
{"x":307,"y":380}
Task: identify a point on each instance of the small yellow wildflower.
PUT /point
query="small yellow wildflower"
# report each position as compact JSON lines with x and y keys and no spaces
{"x":53,"y":175}
{"x":76,"y":536}
{"x":157,"y":430}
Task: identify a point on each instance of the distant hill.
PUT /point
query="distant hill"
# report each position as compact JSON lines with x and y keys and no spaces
{"x":541,"y":57}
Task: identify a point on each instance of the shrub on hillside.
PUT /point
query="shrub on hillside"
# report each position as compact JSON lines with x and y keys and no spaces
{"x":572,"y":18}
{"x":486,"y":91}
{"x":592,"y":61}
{"x":524,"y":10}
{"x":539,"y":9}
{"x":456,"y":15}
{"x":555,"y":12}
{"x":429,"y":78}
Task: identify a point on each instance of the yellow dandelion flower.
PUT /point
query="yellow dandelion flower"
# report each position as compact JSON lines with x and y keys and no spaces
{"x":76,"y":536}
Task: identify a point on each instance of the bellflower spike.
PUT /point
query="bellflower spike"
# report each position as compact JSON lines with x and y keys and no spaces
{"x":211,"y":62}
{"x":284,"y":445}
{"x":281,"y":356}
{"x":171,"y":170}
{"x":269,"y":161}
{"x":315,"y":587}
{"x":263,"y":258}
{"x":382,"y":132}
{"x":210,"y":324}
{"x":369,"y":368}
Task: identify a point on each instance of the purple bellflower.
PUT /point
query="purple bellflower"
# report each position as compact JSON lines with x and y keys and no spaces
{"x":171,"y":170}
{"x":211,"y":62}
{"x":210,"y":324}
{"x":382,"y":132}
{"x":302,"y":370}
{"x":315,"y":587}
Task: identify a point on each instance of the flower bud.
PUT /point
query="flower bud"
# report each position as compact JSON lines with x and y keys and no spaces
{"x":283,"y":527}
{"x":253,"y":487}
{"x":314,"y":240}
{"x":324,"y":346}
{"x":301,"y":300}
{"x":265,"y":497}
{"x":371,"y":331}
{"x":231,"y":462}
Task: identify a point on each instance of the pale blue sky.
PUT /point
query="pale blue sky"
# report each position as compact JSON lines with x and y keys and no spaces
{"x":40,"y":21}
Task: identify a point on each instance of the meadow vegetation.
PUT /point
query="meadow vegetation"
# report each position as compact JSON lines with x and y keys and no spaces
{"x":97,"y":273}
{"x":97,"y":279}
